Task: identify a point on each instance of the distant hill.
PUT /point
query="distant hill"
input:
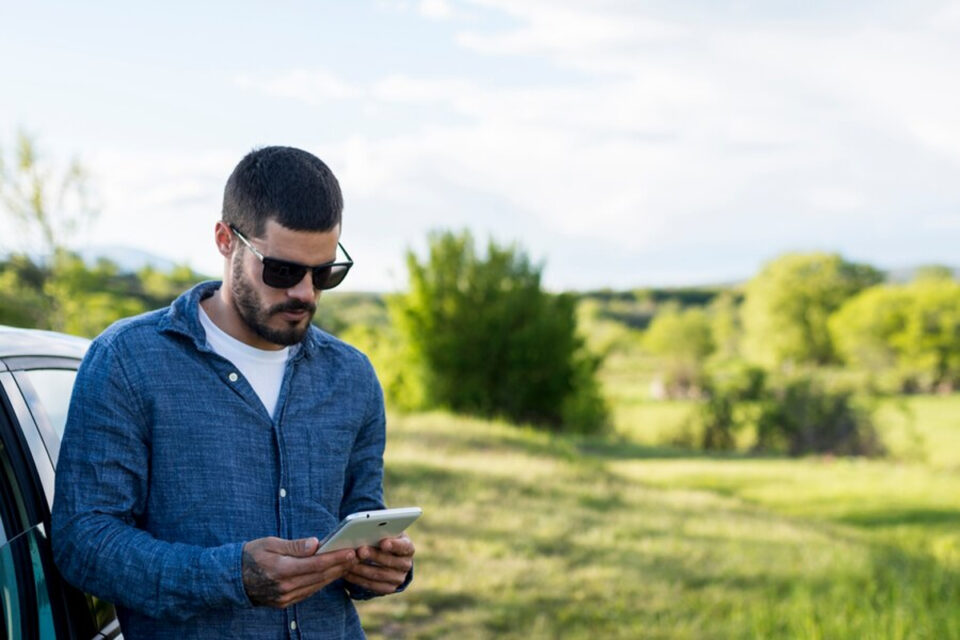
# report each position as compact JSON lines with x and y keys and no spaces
{"x":636,"y":308}
{"x":128,"y":259}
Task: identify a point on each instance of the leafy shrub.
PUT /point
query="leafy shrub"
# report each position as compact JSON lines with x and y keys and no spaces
{"x":801,"y":415}
{"x":795,"y":415}
{"x":398,"y":368}
{"x":487,"y":339}
{"x":682,"y":340}
{"x":729,"y":389}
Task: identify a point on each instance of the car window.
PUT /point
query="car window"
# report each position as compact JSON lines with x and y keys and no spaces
{"x":24,"y":594}
{"x":9,"y":591}
{"x":47,"y":393}
{"x":53,"y":387}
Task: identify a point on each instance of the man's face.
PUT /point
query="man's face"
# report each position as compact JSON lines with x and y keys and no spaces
{"x":279,"y":316}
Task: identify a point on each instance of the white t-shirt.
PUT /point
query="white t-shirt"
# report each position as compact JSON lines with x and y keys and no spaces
{"x":262,"y":368}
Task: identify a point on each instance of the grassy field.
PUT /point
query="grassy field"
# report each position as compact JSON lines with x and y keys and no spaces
{"x":531,"y":536}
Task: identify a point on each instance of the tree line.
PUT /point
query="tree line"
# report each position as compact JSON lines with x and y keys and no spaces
{"x":819,"y":310}
{"x":799,"y":351}
{"x":789,"y":353}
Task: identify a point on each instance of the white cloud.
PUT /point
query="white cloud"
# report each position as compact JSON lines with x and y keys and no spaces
{"x":315,"y":87}
{"x":163,"y":202}
{"x":569,"y":29}
{"x":836,"y":199}
{"x":658,"y":136}
{"x":435,"y":9}
{"x":942,"y":222}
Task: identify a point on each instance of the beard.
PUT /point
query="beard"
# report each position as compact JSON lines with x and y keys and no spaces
{"x":247,"y":303}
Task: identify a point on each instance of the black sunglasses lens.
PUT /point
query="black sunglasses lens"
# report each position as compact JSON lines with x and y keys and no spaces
{"x":282,"y":275}
{"x":329,"y":277}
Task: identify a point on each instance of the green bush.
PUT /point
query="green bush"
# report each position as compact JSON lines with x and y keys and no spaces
{"x":487,"y":340}
{"x":801,"y":415}
{"x":681,"y":339}
{"x":908,"y":334}
{"x":731,"y":388}
{"x":398,"y":367}
{"x":796,"y":415}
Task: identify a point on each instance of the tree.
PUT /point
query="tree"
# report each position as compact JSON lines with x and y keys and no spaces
{"x":726,"y":326}
{"x":682,"y":340}
{"x":489,"y":341}
{"x":865,"y":329}
{"x":787,"y":306}
{"x":933,"y":272}
{"x":57,"y":290}
{"x":911,"y":330}
{"x":88,"y":300}
{"x":49,"y":205}
{"x":22,"y":302}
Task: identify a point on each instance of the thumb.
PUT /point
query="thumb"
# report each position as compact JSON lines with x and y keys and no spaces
{"x":301,"y":548}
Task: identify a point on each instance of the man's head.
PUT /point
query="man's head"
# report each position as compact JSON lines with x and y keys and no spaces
{"x":288,"y":185}
{"x":283,"y":205}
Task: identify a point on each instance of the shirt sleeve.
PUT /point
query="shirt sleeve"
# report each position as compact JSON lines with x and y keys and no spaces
{"x":363,"y":486}
{"x":363,"y":483}
{"x":101,"y":491}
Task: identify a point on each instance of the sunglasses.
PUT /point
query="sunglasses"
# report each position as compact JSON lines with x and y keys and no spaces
{"x":282,"y":274}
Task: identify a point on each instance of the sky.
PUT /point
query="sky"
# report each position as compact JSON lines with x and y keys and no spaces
{"x":619,"y":143}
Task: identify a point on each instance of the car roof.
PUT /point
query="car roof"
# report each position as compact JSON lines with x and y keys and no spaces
{"x":33,"y":342}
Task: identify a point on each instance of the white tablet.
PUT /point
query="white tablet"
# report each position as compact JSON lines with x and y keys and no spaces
{"x":368,"y":528}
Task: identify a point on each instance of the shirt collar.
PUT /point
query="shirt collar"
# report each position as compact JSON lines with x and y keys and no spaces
{"x":182,"y":317}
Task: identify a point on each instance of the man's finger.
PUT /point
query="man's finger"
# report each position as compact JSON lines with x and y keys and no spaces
{"x":300,"y":548}
{"x":315,"y":564}
{"x":311,"y":584}
{"x":379,"y":574}
{"x":385,"y":558}
{"x":373,"y":585}
{"x":317,"y":579}
{"x":399,"y":546}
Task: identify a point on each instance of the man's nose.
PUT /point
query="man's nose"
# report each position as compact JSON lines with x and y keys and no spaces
{"x":304,"y":290}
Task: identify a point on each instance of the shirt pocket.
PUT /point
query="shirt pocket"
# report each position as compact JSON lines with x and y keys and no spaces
{"x":330,"y":458}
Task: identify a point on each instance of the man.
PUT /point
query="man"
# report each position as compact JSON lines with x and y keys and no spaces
{"x":208,"y":444}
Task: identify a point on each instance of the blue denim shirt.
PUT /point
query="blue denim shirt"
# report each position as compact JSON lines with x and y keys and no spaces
{"x":169,"y":463}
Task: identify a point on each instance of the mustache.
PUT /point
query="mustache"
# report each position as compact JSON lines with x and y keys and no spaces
{"x":293,"y":306}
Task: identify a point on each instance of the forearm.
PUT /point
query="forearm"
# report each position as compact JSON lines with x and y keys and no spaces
{"x":109,"y":558}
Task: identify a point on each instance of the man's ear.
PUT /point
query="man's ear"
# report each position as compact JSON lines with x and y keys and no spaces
{"x":223,"y":236}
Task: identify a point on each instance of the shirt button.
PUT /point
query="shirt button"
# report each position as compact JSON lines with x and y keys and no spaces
{"x":233,"y":377}
{"x":293,"y":625}
{"x":283,"y":493}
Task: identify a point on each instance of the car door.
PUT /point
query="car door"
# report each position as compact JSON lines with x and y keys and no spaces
{"x":37,"y":602}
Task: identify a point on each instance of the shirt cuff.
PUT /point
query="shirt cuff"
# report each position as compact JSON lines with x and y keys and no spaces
{"x":232,"y":589}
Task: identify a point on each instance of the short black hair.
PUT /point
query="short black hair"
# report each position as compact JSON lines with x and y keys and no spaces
{"x":285,"y":184}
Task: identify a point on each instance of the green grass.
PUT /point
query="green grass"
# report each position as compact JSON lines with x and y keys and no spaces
{"x":531,"y":536}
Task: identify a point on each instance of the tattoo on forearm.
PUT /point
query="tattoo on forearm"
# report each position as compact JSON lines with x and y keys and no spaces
{"x":261,"y":589}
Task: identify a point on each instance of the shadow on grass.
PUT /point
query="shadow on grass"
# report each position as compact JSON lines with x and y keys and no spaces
{"x":898,"y":594}
{"x":897,"y":517}
{"x":610,"y":449}
{"x":696,"y":591}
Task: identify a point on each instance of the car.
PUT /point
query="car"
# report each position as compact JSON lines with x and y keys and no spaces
{"x":37,"y":372}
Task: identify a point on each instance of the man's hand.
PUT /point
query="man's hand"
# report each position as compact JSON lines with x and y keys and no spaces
{"x":383,"y":570}
{"x":279,"y":573}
